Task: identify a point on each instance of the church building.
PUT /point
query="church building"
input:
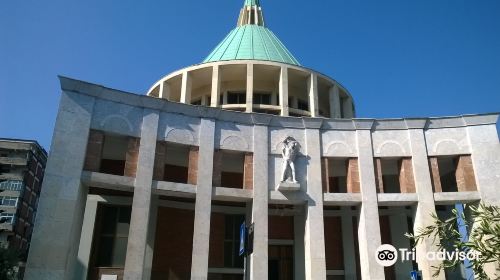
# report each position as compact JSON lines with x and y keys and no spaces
{"x":157,"y":185}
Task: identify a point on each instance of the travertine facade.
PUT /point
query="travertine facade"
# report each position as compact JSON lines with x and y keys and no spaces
{"x":148,"y":120}
{"x":167,"y":178}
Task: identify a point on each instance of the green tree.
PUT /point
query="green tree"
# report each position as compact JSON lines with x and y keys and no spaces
{"x":484,"y":237}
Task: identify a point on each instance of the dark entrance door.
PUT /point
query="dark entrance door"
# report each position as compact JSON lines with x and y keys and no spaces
{"x":280,"y":262}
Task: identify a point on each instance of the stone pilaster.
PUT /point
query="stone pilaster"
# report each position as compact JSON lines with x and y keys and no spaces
{"x":141,"y":203}
{"x":423,"y":186}
{"x":259,"y":258}
{"x":62,"y":199}
{"x":314,"y":239}
{"x":201,"y":234}
{"x":368,"y":227}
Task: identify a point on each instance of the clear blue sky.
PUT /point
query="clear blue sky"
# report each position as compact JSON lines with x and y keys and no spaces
{"x":398,"y":58}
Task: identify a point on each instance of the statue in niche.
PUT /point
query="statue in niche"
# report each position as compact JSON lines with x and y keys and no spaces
{"x":290,"y":150}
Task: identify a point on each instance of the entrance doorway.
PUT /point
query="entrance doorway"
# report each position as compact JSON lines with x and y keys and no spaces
{"x":280,"y":262}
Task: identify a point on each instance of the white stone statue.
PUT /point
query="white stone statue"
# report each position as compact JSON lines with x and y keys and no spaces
{"x":290,"y":150}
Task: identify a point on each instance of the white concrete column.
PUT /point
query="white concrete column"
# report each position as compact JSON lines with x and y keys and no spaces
{"x":334,"y":96}
{"x":202,"y":211}
{"x":141,"y":203}
{"x":62,"y":199}
{"x":423,"y":185}
{"x":216,"y":76}
{"x":312,"y":84}
{"x":249,"y":92}
{"x":259,"y":258}
{"x":283,"y":90}
{"x":349,"y":247}
{"x":86,"y":238}
{"x":314,"y":238}
{"x":164,"y":90}
{"x":368,"y":227}
{"x":347,"y":108}
{"x":186,"y":88}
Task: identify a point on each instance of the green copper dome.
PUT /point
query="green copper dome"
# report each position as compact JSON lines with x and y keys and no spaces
{"x":251,"y":40}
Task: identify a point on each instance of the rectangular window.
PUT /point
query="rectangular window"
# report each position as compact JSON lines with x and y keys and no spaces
{"x":4,"y":169}
{"x":176,"y":163}
{"x":196,"y":102}
{"x":262,"y":98}
{"x":112,"y":238}
{"x":303,"y":105}
{"x":337,"y":176}
{"x":232,"y":169}
{"x":7,"y":218}
{"x":452,"y":173}
{"x":8,"y":200}
{"x":11,"y":185}
{"x":340,"y":175}
{"x":114,"y":155}
{"x":236,"y":98}
{"x":394,"y":175}
{"x":232,"y":241}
